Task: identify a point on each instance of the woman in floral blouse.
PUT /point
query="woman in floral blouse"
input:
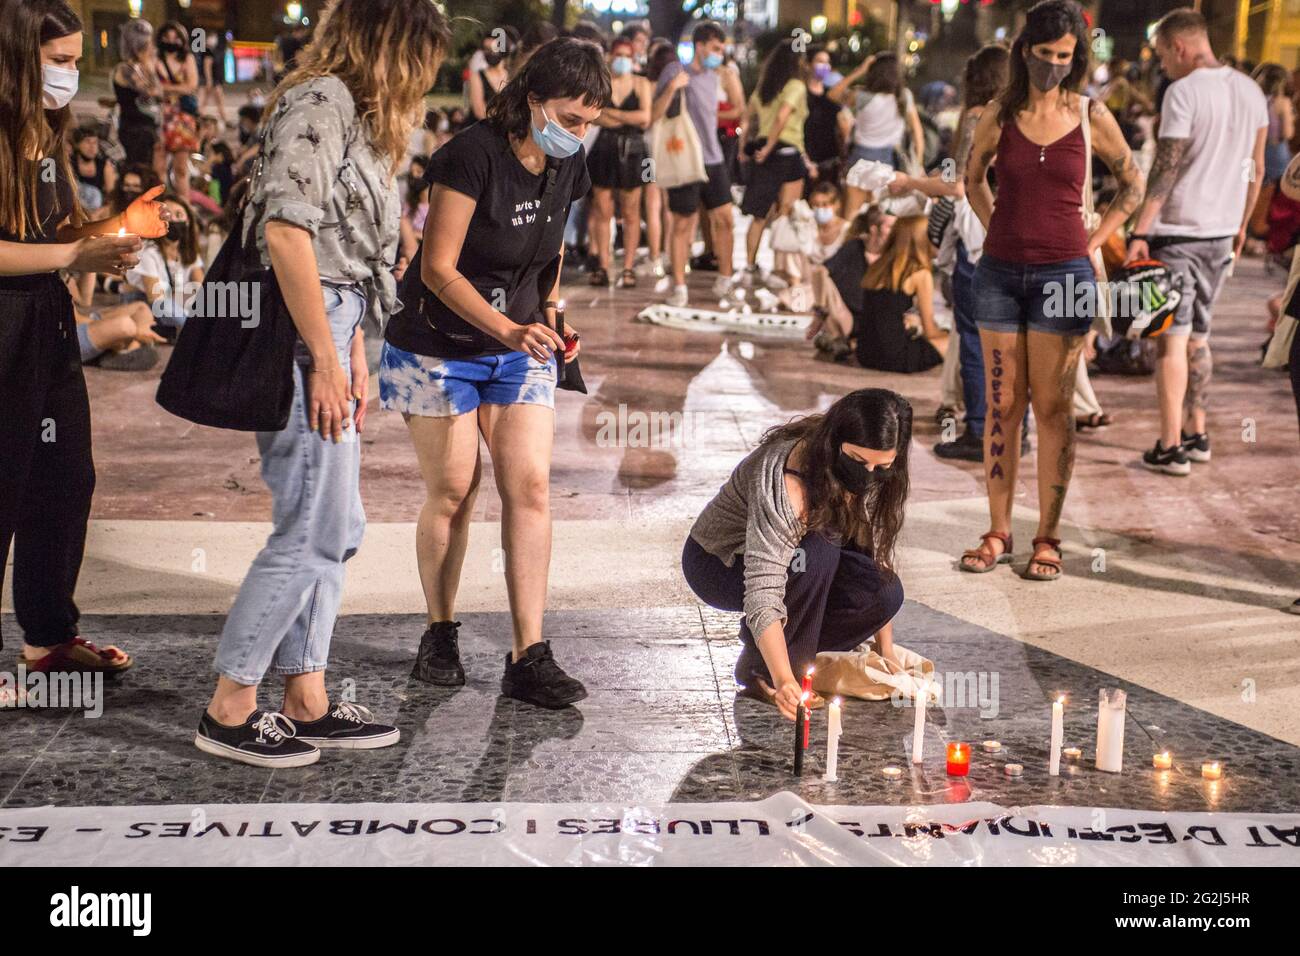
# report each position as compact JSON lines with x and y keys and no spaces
{"x":326,"y":208}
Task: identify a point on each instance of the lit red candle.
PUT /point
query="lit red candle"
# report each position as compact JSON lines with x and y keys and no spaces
{"x":958,"y":760}
{"x":807,"y":681}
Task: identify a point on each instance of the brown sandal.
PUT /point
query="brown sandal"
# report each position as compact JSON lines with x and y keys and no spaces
{"x":1055,"y":545}
{"x":627,"y":280}
{"x":985,"y":554}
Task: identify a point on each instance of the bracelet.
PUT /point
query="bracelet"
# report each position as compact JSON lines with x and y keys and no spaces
{"x":1139,"y":237}
{"x":447,"y":283}
{"x":550,"y":304}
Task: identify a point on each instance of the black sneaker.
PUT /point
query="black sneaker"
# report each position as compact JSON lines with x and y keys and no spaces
{"x":348,"y":727}
{"x":438,"y":659}
{"x":1196,"y":447}
{"x":1171,"y":461}
{"x":704,"y":262}
{"x":536,"y":679}
{"x":966,"y":447}
{"x":267,"y":739}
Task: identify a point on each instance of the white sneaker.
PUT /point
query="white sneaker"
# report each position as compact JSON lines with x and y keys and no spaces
{"x":679,"y":298}
{"x":663,"y":285}
{"x":721,"y":286}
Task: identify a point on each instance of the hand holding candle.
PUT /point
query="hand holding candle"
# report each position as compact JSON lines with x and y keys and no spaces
{"x":145,"y":216}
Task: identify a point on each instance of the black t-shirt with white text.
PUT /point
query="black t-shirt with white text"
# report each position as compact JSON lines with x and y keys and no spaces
{"x":480,"y":163}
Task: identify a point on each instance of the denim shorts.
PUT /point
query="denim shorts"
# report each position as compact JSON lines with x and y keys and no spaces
{"x":440,"y":388}
{"x":1055,"y":297}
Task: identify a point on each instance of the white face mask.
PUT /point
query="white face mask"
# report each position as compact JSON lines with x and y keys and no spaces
{"x":59,"y":86}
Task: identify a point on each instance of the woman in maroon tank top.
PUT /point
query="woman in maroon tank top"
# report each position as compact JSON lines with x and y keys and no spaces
{"x":1034,"y":287}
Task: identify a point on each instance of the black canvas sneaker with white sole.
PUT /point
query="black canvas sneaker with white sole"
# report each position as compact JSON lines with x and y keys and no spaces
{"x":266,"y":739}
{"x":348,"y":726}
{"x":1170,"y":461}
{"x":536,"y":679}
{"x":1196,"y":447}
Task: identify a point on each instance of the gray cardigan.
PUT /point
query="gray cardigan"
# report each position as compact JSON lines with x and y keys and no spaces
{"x":751,"y":515}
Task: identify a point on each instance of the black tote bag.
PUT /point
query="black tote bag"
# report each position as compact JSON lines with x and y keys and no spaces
{"x":232,"y":366}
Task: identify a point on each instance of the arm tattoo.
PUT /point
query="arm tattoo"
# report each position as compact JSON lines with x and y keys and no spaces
{"x":1171,"y":155}
{"x":1129,"y":197}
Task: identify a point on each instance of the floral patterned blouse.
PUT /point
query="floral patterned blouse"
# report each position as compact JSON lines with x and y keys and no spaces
{"x":320,"y":173}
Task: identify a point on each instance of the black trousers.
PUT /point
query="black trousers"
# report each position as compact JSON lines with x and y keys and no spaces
{"x":47,"y":475}
{"x":835,"y":599}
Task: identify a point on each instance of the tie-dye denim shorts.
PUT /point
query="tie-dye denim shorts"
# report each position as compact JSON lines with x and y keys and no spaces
{"x":440,"y":388}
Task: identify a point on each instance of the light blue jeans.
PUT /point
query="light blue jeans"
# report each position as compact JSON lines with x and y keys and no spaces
{"x":283,"y":617}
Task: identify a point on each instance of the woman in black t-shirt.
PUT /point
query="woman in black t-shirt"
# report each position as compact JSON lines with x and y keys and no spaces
{"x":472,"y":351}
{"x":47,"y":475}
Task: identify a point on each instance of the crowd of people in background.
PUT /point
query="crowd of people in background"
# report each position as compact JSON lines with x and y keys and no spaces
{"x":913,"y":229}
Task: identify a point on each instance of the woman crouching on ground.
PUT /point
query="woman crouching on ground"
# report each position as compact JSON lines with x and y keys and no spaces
{"x":801,"y":539}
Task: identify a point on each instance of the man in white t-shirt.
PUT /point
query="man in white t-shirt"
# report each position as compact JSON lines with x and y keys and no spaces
{"x":1200,"y":194}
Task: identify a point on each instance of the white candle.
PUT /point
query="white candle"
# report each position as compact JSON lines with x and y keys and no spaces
{"x":1058,"y":736}
{"x":918,"y":726}
{"x":892,"y":773}
{"x":833,"y":729}
{"x":1211,"y":771}
{"x":992,"y":746}
{"x":1072,"y":754}
{"x":1110,"y":730}
{"x":1013,"y":769}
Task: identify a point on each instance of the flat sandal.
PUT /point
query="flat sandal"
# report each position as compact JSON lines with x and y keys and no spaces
{"x":985,"y":554}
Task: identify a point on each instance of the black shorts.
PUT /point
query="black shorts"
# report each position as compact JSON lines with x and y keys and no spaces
{"x":766,"y":179}
{"x":714,"y":192}
{"x":618,"y":161}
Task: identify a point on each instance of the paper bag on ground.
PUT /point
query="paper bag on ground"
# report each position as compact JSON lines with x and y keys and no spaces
{"x":863,"y":673}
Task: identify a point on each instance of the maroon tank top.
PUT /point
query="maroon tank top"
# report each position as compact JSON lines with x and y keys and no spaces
{"x":1036,"y":215}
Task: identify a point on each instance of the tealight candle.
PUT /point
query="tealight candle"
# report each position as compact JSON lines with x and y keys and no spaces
{"x":1072,"y":754}
{"x":958,"y":760}
{"x":892,"y":772}
{"x":992,"y":746}
{"x":1212,"y":770}
{"x":1162,"y":761}
{"x":1013,"y":769}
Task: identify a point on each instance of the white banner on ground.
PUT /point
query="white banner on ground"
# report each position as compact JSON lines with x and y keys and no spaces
{"x":781,"y":325}
{"x":779,"y":830}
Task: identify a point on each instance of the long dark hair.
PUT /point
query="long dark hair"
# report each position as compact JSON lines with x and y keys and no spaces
{"x":563,"y":68}
{"x":885,"y":76}
{"x":874,"y":418}
{"x":782,"y":65}
{"x":1046,"y":21}
{"x":985,"y":75}
{"x":30,"y":133}
{"x":173,"y":26}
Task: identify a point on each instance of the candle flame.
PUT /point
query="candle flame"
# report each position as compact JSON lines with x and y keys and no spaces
{"x":1061,"y":699}
{"x":809,"y":672}
{"x":122,"y":231}
{"x":837,"y":701}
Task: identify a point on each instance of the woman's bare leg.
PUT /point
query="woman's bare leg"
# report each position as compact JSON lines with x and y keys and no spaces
{"x":447,"y":449}
{"x":519,"y":439}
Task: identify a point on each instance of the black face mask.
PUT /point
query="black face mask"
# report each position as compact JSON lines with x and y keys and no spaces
{"x":173,"y":48}
{"x":245,"y":136}
{"x":853,"y":474}
{"x":492,"y":57}
{"x":176,"y":230}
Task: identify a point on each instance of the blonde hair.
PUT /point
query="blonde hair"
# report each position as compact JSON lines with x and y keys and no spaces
{"x":387,"y":53}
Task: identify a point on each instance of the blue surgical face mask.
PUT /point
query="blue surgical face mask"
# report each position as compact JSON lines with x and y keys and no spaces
{"x":823,"y":214}
{"x":621,"y":66}
{"x":712,"y":61}
{"x":821,"y":70}
{"x":554,"y":140}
